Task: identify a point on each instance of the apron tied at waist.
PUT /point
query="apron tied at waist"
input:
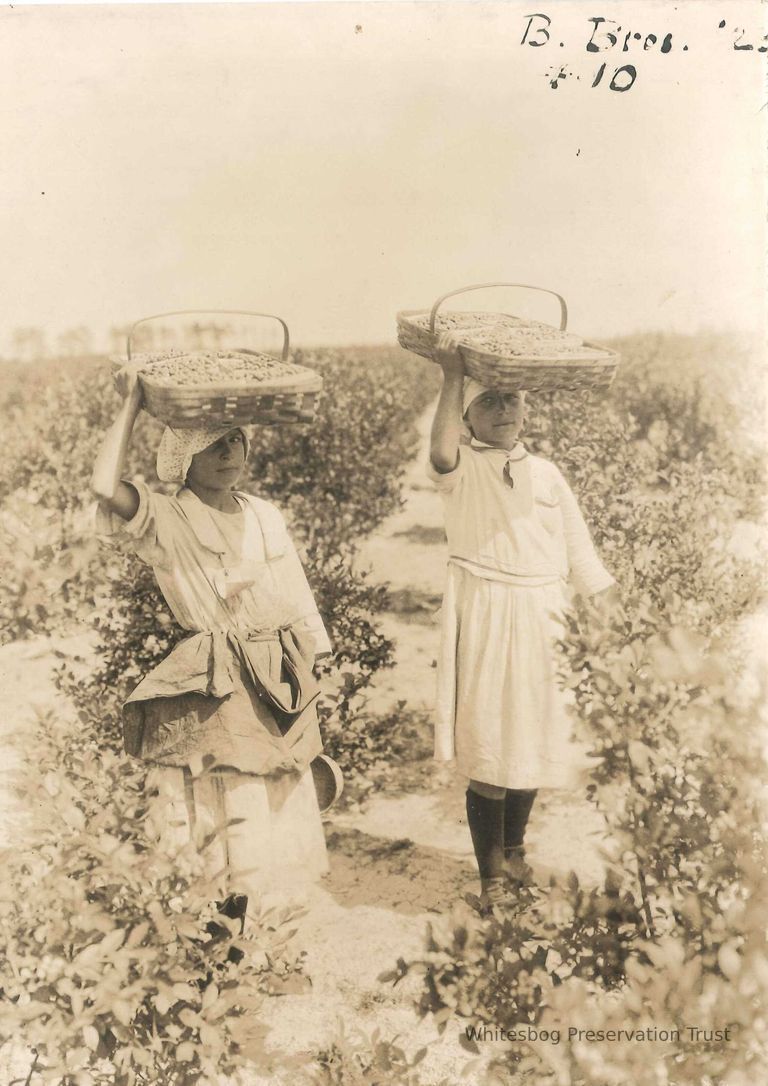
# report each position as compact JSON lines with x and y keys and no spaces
{"x":298,"y":687}
{"x":209,"y":663}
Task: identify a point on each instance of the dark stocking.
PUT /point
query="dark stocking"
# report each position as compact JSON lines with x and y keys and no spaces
{"x":486,"y":825}
{"x":517,"y":808}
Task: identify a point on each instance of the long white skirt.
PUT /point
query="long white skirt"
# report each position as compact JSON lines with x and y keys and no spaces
{"x":278,"y":848}
{"x":500,"y":711}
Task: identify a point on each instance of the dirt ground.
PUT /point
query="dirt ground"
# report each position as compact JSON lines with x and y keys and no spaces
{"x":399,"y":863}
{"x":406,"y":858}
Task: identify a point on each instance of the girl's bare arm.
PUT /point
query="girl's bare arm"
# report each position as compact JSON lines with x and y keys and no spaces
{"x":119,"y":497}
{"x":446,"y":426}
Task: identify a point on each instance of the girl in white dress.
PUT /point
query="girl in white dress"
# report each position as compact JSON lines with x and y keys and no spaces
{"x":515,"y":538}
{"x":228,"y":719}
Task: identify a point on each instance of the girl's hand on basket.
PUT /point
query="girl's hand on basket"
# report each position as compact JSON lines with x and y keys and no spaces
{"x":127,"y":380}
{"x":447,"y":356}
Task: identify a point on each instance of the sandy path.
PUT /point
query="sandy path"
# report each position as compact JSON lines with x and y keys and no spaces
{"x":409,"y":553}
{"x":395,"y":865}
{"x":407,"y":857}
{"x":399,"y":863}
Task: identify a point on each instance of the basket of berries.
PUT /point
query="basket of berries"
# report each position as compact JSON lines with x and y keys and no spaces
{"x":223,"y":387}
{"x":509,"y":352}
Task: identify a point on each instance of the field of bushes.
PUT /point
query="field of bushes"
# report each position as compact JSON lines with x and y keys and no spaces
{"x":127,"y":984}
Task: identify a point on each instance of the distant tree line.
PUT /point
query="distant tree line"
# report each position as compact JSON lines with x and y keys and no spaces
{"x":31,"y":344}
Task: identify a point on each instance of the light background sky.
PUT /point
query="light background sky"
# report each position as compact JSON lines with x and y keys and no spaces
{"x":273,"y":157}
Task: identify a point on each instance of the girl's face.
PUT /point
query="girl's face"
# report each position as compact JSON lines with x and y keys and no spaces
{"x":219,"y":466}
{"x":496,"y":418}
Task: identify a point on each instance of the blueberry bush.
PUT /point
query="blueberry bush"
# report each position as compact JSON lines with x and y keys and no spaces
{"x":670,"y":472}
{"x":668,"y":469}
{"x":117,"y":966}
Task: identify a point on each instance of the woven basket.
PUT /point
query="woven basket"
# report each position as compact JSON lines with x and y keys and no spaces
{"x":276,"y":391}
{"x":536,"y":356}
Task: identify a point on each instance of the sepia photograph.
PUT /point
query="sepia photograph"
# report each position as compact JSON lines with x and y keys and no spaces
{"x":383,"y":543}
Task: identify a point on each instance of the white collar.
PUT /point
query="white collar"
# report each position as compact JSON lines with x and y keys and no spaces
{"x":200,"y":520}
{"x":517,"y":452}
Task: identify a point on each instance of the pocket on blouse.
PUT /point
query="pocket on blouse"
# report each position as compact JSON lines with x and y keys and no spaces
{"x":548,"y":512}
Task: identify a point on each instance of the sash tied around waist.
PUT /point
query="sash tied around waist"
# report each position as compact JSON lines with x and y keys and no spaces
{"x":203,"y":663}
{"x":161,"y":722}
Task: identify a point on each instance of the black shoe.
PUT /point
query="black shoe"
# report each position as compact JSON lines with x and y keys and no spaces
{"x":496,"y":896}
{"x":516,"y":870}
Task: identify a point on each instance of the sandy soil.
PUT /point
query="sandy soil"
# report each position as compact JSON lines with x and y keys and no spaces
{"x":395,"y":865}
{"x":401,"y":861}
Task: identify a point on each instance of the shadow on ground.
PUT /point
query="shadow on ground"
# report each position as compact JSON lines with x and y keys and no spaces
{"x":414,"y":604}
{"x":422,"y":533}
{"x":394,"y":874}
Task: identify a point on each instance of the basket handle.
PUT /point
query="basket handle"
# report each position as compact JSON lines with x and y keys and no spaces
{"x":484,"y":286}
{"x":227,"y":312}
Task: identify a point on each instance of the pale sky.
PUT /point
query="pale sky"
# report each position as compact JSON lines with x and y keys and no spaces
{"x":276,"y":157}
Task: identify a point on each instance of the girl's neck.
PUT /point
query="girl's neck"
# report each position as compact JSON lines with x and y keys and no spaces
{"x":516,"y":444}
{"x":222,"y":500}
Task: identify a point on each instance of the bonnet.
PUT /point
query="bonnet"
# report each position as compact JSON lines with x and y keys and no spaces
{"x":177,"y":447}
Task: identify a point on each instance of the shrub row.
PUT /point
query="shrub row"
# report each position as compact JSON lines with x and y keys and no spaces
{"x":336,"y":480}
{"x":117,"y":966}
{"x":113,"y":973}
{"x":672,"y":937}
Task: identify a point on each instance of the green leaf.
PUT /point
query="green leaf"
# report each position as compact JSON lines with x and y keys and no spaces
{"x":137,"y":934}
{"x":123,"y":1012}
{"x":185,"y":1052}
{"x":163,"y":1002}
{"x":729,"y":960}
{"x":468,"y":1045}
{"x":112,"y":942}
{"x":73,"y":817}
{"x":91,"y":1037}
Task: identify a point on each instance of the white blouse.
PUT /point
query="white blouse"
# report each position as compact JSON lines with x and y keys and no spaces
{"x":529,"y":533}
{"x":219,"y":571}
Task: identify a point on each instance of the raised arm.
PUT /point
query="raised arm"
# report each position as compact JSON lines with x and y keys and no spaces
{"x":106,"y":484}
{"x":446,"y":426}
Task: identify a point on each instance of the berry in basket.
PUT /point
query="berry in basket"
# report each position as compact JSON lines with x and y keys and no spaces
{"x":503,"y":334}
{"x":508,"y":352}
{"x":190,"y":388}
{"x":172,"y":368}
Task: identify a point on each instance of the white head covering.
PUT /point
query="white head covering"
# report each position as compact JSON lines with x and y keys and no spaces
{"x":473,"y":389}
{"x":177,"y":447}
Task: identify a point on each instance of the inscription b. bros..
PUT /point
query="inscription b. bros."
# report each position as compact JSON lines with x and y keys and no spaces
{"x":607,"y":36}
